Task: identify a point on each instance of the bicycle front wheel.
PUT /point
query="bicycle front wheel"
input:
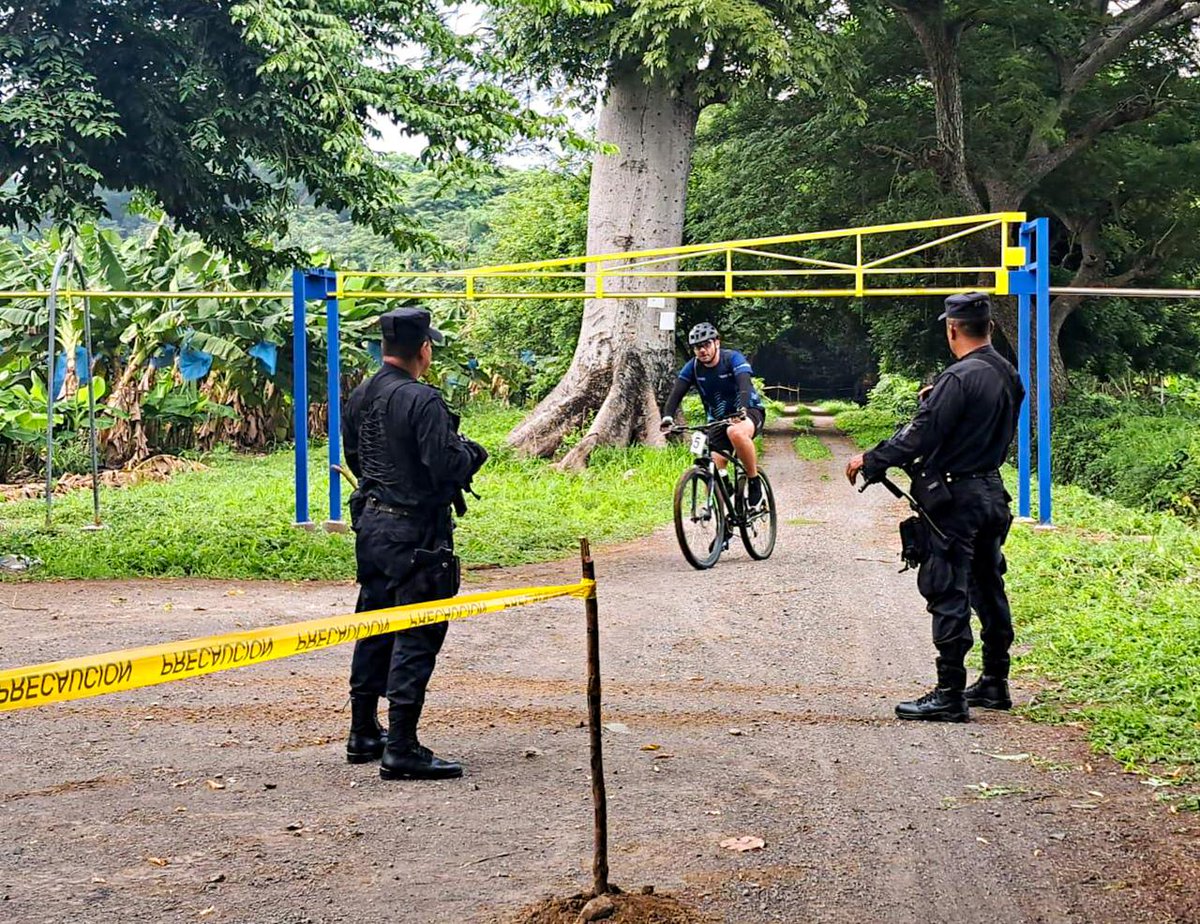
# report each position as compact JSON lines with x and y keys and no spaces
{"x":699,"y":518}
{"x":759,"y":523}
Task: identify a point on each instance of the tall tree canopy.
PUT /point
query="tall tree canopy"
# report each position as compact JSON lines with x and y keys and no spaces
{"x":658,"y":62}
{"x":215,"y":108}
{"x":1035,"y":104}
{"x":1078,"y":110}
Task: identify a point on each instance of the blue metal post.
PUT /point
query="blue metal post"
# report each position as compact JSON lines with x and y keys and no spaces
{"x":334,"y":390}
{"x":1042,"y":271}
{"x":1023,"y":367}
{"x":300,"y":392}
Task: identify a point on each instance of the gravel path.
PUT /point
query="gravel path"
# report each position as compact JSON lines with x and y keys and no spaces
{"x":765,"y":688}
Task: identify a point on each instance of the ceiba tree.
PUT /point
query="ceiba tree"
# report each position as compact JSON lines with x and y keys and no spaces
{"x":654,"y":65}
{"x":215,"y":109}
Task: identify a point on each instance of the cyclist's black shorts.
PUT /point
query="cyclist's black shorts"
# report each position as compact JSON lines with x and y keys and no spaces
{"x":719,"y":440}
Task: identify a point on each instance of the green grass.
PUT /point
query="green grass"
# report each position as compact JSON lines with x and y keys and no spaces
{"x":1107,"y":607}
{"x":803,"y":420}
{"x":811,"y":449}
{"x":835,"y":406}
{"x":866,"y":426}
{"x":234,"y":520}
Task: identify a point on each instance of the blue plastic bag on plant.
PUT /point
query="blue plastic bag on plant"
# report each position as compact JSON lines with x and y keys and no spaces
{"x":60,"y":371}
{"x":375,"y":348}
{"x":266,"y":353}
{"x":60,"y":375}
{"x":194,"y":364}
{"x":164,"y":358}
{"x":83,"y":372}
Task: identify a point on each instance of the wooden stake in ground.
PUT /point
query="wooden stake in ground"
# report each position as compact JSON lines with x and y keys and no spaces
{"x":599,"y":799}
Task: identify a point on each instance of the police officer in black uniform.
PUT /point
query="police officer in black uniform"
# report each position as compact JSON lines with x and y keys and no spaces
{"x":402,"y":443}
{"x":953,"y":449}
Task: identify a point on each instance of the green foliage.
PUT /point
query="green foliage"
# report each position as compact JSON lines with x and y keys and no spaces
{"x":773,"y":408}
{"x":895,"y":394}
{"x":128,"y":332}
{"x":892,"y":400}
{"x":1140,"y":451}
{"x":715,"y":46}
{"x":835,"y":406}
{"x":1108,"y":608}
{"x":451,"y":213}
{"x":811,"y":449}
{"x":866,"y":426}
{"x":543,"y":216}
{"x":1127,"y":183}
{"x":190,"y":129}
{"x":233,"y":521}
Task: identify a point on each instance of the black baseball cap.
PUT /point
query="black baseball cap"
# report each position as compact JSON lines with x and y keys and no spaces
{"x":406,"y":326}
{"x":969,"y":306}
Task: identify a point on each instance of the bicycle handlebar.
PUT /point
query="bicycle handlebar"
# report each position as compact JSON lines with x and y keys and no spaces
{"x":728,"y":421}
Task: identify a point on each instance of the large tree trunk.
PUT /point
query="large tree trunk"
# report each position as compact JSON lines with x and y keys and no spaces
{"x":623,"y":360}
{"x":939,"y":35}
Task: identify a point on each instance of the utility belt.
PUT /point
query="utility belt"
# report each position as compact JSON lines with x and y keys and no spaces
{"x":952,"y":477}
{"x":932,"y":490}
{"x":932,"y":496}
{"x":379,"y":506}
{"x":374,"y":503}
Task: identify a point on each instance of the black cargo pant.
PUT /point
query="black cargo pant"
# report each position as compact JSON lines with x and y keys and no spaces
{"x":399,"y":664}
{"x":969,"y":570}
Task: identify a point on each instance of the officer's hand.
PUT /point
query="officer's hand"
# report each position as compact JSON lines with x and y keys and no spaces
{"x":923,"y":392}
{"x":666,"y":424}
{"x":853,"y":467}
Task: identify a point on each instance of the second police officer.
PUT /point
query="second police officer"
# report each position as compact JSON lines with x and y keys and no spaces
{"x":953,"y":448}
{"x":402,"y":443}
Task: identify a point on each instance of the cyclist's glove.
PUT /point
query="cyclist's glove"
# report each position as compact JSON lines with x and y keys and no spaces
{"x":666,"y":424}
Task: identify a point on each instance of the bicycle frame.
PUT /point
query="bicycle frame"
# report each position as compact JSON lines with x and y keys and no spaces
{"x":704,"y":456}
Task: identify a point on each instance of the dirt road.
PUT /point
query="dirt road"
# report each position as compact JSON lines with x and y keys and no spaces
{"x":767,"y":687}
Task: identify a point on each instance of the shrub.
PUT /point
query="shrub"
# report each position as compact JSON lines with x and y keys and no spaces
{"x":895,"y":394}
{"x":866,"y":425}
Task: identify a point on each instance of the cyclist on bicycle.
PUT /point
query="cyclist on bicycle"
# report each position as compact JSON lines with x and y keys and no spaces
{"x":723,"y":379}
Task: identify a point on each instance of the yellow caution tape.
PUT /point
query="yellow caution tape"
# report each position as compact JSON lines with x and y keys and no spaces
{"x":94,"y":675}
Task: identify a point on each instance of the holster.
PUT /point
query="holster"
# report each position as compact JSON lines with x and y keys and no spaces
{"x":436,"y":574}
{"x":916,"y":544}
{"x":931,"y":492}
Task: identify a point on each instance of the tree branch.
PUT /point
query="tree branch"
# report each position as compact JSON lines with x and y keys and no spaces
{"x":1134,"y":109}
{"x":1189,"y":13}
{"x":1109,"y":41}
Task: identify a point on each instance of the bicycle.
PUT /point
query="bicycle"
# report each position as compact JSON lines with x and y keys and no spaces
{"x":706,"y":514}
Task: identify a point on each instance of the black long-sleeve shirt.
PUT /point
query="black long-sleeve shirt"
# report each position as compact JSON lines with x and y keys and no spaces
{"x":963,"y":426}
{"x":403,"y":444}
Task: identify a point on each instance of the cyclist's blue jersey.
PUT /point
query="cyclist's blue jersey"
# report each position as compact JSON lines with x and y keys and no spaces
{"x":718,"y":384}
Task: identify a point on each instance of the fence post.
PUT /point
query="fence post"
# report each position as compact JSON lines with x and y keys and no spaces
{"x":300,"y":393}
{"x":599,"y":798}
{"x":333,"y":361}
{"x":1024,"y":344}
{"x":1042,"y":274}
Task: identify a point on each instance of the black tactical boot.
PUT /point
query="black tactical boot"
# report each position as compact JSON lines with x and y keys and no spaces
{"x":367,"y":737}
{"x":989,"y":692}
{"x":405,"y":758}
{"x":938,"y":705}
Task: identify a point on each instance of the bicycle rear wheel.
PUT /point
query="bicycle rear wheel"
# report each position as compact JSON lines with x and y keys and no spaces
{"x":699,"y":519}
{"x":759,"y":523}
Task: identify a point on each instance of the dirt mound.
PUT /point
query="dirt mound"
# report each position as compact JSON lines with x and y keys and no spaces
{"x":627,"y":909}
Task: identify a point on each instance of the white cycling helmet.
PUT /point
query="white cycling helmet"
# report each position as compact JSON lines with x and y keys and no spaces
{"x":702,"y":333}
